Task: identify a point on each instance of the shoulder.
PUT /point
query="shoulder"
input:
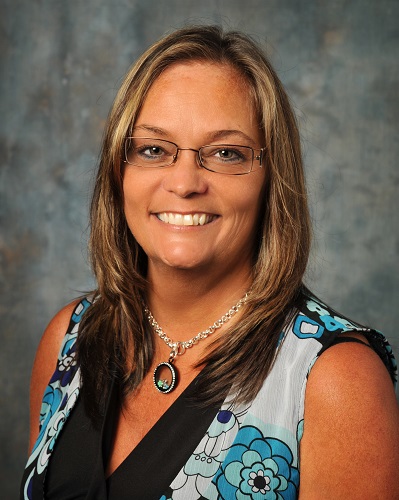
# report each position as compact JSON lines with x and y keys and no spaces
{"x":318,"y":323}
{"x":53,"y":336}
{"x":45,"y":362}
{"x":350,"y":445}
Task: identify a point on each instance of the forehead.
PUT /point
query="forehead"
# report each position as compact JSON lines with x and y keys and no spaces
{"x":224,"y":71}
{"x":200,"y":94}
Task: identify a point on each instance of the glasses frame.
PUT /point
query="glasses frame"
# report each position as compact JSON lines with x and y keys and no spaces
{"x":255,"y":157}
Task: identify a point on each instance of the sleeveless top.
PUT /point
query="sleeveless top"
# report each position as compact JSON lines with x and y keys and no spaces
{"x":249,"y":451}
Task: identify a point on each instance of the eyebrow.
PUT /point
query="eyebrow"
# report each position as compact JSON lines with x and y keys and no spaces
{"x":213,"y":136}
{"x":150,"y":128}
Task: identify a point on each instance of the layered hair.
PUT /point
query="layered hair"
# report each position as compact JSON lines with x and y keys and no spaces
{"x":115,"y":340}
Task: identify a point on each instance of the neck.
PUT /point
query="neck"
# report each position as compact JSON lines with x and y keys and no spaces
{"x":184,"y":302}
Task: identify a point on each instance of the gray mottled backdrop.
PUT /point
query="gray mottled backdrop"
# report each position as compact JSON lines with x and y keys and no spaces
{"x":61,"y":63}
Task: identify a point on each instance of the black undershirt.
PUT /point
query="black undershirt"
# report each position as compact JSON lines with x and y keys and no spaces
{"x":76,"y":468}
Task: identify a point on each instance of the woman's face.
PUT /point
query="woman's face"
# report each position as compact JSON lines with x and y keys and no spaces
{"x":193,"y":105}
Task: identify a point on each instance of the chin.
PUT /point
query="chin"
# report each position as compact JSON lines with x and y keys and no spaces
{"x":182,"y":260}
{"x":184,"y":264}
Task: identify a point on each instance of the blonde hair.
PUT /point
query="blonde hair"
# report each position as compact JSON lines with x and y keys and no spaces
{"x":114,"y":337}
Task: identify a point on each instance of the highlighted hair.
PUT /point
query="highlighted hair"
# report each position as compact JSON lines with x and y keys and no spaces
{"x":115,"y":340}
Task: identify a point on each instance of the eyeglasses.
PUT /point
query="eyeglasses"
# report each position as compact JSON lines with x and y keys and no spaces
{"x":221,"y":158}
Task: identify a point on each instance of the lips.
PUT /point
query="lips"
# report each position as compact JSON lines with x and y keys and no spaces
{"x":194,"y":219}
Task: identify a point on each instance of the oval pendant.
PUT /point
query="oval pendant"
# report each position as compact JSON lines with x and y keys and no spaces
{"x":165,"y":377}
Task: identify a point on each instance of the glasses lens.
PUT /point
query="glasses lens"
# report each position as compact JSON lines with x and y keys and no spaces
{"x":227,"y":159}
{"x":147,"y":152}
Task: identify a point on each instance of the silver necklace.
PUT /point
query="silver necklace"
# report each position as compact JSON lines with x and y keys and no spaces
{"x":165,"y":374}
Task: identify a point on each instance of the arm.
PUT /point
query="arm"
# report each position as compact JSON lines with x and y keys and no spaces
{"x":350,"y":445}
{"x":44,"y":365}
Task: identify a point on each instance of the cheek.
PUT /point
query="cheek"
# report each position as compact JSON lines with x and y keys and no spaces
{"x":251,"y":200}
{"x":131,"y":201}
{"x":134,"y":188}
{"x":257,"y":214}
{"x":128,"y":200}
{"x":247,"y":205}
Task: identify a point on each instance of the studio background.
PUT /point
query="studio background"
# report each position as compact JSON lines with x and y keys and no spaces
{"x":61,"y":64}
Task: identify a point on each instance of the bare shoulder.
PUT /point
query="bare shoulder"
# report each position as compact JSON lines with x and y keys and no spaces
{"x":45,"y":362}
{"x":350,"y":445}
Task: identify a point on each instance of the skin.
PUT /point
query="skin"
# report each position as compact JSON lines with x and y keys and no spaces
{"x":350,"y":444}
{"x":193,"y":105}
{"x":44,"y":365}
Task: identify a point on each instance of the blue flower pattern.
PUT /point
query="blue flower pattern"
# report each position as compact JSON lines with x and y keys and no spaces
{"x":59,"y":398}
{"x":257,"y":467}
{"x":242,"y":456}
{"x":249,"y":463}
{"x":236,"y":460}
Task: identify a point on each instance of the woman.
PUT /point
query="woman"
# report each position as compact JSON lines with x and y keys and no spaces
{"x":200,"y":208}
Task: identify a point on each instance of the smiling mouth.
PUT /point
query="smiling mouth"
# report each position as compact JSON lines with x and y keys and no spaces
{"x":197,"y":219}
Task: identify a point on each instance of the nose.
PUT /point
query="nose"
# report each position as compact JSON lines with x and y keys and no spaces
{"x":185,"y":177}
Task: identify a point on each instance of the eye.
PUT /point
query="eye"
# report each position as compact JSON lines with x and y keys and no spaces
{"x":150,"y":152}
{"x":222,"y":154}
{"x":228,"y":154}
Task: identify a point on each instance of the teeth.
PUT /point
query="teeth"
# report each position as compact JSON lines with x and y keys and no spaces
{"x":186,"y":219}
{"x":178,"y":219}
{"x":163,"y":217}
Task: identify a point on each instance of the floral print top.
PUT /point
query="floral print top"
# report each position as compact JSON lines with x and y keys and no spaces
{"x":247,"y":453}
